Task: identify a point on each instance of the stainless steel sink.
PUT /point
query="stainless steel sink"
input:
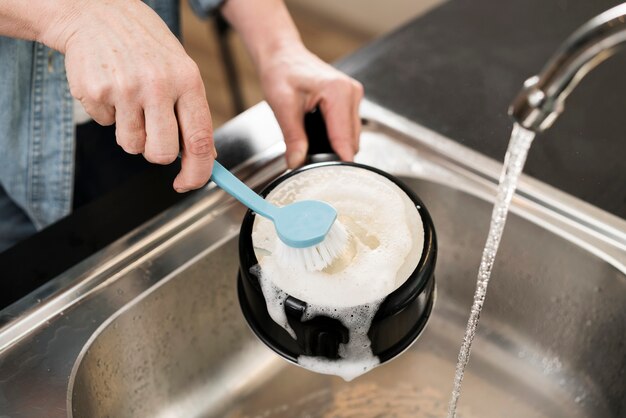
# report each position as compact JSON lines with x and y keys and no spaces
{"x":152,"y":327}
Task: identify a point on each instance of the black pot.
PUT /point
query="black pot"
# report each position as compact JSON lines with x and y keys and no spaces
{"x":401,"y":316}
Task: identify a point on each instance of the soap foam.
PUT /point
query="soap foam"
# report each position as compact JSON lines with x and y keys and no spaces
{"x":386,"y":230}
{"x":274,"y":299}
{"x":356,"y":355}
{"x":386,"y":244}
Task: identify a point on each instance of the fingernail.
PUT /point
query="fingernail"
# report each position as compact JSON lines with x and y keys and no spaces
{"x":295,"y":159}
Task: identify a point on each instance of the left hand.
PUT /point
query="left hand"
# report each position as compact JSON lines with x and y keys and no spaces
{"x":294,"y":82}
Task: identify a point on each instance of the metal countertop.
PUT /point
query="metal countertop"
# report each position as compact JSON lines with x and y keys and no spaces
{"x":456,"y":69}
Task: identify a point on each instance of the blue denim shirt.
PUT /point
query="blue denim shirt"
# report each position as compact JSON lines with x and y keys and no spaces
{"x":36,"y":121}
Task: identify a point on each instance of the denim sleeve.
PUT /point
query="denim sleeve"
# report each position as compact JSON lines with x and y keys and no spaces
{"x":205,"y":8}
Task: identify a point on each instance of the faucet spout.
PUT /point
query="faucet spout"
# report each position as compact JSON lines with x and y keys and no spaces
{"x":542,"y":98}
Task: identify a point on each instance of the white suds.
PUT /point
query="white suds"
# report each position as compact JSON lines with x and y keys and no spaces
{"x":275,"y":300}
{"x":356,"y":355}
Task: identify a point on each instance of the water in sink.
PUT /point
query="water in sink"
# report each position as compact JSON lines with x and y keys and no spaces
{"x":514,"y":160}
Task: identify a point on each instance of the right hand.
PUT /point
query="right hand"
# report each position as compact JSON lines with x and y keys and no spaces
{"x":127,"y":68}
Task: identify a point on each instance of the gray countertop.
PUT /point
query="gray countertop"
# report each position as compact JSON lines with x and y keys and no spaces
{"x":456,"y":69}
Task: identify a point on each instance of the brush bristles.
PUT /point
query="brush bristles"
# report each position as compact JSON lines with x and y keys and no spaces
{"x":316,"y":257}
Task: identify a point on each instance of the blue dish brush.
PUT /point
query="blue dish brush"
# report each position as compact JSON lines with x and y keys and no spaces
{"x":309,"y":229}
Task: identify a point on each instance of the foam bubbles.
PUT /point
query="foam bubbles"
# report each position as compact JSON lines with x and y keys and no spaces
{"x":386,"y":230}
{"x":275,"y":300}
{"x":356,"y":355}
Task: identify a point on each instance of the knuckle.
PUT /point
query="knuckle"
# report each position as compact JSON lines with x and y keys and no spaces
{"x":292,"y":135}
{"x":161,"y":153}
{"x":77,"y":90}
{"x":156,"y":81}
{"x":135,"y":127}
{"x":190,"y":69}
{"x":98,"y":92}
{"x":128,"y":88}
{"x":200,"y":144}
{"x":130,"y":144}
{"x":133,"y":149}
{"x":190,"y":77}
{"x":282,"y":96}
{"x":334,"y":88}
{"x":103,"y":120}
{"x":101,"y":115}
{"x":162,"y":158}
{"x":337,"y":83}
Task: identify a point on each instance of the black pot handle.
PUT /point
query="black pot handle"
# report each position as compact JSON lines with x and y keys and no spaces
{"x":317,"y":135}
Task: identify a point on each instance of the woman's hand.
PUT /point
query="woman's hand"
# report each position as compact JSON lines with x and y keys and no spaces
{"x":294,"y":82}
{"x":127,"y":68}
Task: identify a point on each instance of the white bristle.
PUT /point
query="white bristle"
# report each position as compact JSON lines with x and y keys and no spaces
{"x":316,"y":257}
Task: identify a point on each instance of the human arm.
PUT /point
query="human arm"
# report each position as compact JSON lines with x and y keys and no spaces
{"x":294,"y":80}
{"x":125,"y":66}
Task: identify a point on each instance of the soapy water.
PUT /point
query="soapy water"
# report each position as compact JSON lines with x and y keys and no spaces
{"x":386,"y":244}
{"x":514,"y":160}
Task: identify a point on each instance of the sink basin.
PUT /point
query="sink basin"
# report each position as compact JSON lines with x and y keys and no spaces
{"x":551,"y":341}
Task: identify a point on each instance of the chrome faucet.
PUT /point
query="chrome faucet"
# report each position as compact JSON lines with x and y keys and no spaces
{"x":543,"y":96}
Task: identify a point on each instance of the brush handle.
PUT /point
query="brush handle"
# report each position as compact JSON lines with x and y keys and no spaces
{"x":236,"y":188}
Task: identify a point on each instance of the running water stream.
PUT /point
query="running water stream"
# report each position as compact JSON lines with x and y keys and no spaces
{"x":514,"y":160}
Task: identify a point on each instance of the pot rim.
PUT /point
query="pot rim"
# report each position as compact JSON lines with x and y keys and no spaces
{"x":399,"y":298}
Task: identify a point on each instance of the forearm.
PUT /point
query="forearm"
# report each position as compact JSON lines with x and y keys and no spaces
{"x":44,"y":21}
{"x":27,"y":19}
{"x":264,"y":25}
